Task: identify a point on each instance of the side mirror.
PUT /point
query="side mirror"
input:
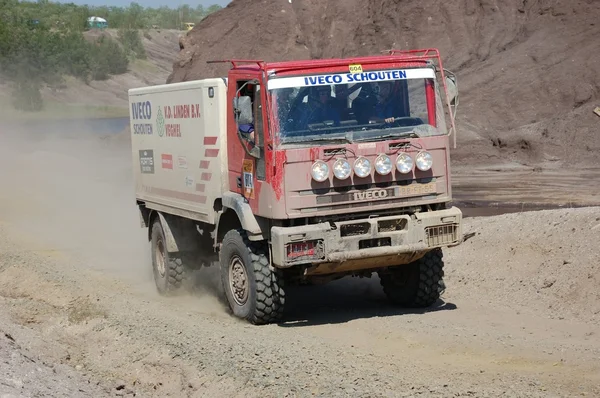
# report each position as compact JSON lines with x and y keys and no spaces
{"x":452,"y":92}
{"x":452,"y":88}
{"x":242,"y":108}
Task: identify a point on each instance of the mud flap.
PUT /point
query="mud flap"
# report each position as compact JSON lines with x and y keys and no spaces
{"x":180,"y":234}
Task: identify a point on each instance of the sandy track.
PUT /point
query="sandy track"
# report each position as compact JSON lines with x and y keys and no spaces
{"x":524,"y":186}
{"x":520,"y":316}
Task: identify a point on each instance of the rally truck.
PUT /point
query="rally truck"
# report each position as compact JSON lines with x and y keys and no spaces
{"x":300,"y":172}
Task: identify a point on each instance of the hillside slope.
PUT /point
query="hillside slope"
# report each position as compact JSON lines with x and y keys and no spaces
{"x":161,"y":48}
{"x":526,"y":69}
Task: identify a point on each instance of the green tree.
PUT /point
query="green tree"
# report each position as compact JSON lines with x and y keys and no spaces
{"x":135,"y":17}
{"x":33,"y":55}
{"x":213,"y":8}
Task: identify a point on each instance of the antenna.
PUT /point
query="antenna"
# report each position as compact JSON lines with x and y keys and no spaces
{"x":235,"y":62}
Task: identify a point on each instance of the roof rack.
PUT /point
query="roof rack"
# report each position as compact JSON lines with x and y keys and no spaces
{"x":417,"y":53}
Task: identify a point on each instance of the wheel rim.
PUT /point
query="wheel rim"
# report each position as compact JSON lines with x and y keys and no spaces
{"x":160,"y":257}
{"x":238,"y":281}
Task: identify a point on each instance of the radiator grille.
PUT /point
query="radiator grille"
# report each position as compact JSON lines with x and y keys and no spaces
{"x":441,"y":235}
{"x":355,"y":229}
{"x":392,"y":225}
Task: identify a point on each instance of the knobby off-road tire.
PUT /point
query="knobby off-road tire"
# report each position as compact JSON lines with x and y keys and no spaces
{"x":416,"y":285}
{"x":170,"y":271}
{"x":257,"y":292}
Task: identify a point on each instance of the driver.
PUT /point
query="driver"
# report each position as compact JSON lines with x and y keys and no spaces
{"x":247,"y":131}
{"x":386,"y":107}
{"x":321,"y":107}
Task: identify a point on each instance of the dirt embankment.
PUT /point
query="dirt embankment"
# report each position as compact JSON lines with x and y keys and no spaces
{"x":526,"y":71}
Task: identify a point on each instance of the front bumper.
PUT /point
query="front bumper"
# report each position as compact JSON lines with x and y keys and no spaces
{"x":401,"y":237}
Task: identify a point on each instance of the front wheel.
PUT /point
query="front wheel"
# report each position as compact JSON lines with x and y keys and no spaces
{"x":253,"y":289}
{"x":418,"y":284}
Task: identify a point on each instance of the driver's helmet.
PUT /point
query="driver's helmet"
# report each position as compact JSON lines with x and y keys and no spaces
{"x":315,"y":93}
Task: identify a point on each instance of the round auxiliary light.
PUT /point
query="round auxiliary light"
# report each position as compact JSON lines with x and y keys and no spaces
{"x":319,"y":171}
{"x":424,"y":161}
{"x":362,"y":167}
{"x":342,"y":169}
{"x":383,"y":164}
{"x":404,"y":163}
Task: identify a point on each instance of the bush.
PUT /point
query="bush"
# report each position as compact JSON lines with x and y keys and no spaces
{"x":26,"y":95}
{"x":132,"y":43}
{"x":107,"y":58}
{"x":76,"y":56}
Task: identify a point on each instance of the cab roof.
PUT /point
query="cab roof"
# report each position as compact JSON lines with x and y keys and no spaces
{"x":394,"y":58}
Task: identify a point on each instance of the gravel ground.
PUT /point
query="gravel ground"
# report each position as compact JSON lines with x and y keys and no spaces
{"x":520,"y":317}
{"x":24,"y":374}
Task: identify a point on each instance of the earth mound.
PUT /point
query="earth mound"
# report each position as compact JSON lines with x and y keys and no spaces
{"x":526,"y":68}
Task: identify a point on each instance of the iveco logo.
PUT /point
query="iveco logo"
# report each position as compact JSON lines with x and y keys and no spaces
{"x":379,"y":194}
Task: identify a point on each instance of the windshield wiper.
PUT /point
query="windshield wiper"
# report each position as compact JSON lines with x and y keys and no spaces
{"x":344,"y":139}
{"x":409,"y":134}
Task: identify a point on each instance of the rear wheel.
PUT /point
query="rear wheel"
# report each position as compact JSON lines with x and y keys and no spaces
{"x":253,"y":289}
{"x":168,"y":268}
{"x":417,"y":285}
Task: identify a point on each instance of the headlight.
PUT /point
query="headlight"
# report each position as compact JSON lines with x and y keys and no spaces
{"x":424,"y":161}
{"x":383,"y":164}
{"x":342,"y":169}
{"x":320,"y":171}
{"x":362,"y":167}
{"x":404,"y":163}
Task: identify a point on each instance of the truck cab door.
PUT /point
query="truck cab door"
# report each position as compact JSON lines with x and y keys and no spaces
{"x":248,"y":165}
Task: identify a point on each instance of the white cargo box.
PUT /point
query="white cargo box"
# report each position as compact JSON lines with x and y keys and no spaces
{"x":179,"y":146}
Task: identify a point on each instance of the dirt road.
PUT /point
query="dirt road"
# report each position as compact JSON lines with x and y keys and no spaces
{"x":520,"y":317}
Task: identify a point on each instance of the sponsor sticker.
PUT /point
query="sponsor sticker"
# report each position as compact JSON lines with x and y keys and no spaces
{"x":142,"y":129}
{"x":147,"y":161}
{"x":182,"y":162}
{"x":368,"y":145}
{"x":141,"y":110}
{"x":248,"y":178}
{"x":160,"y":123}
{"x":352,"y":77}
{"x":167,"y":161}
{"x":189,"y":181}
{"x":182,"y":111}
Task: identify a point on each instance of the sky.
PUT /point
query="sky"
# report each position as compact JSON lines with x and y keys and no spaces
{"x":148,"y":3}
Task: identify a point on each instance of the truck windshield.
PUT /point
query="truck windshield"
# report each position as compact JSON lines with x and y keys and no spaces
{"x":353,"y":107}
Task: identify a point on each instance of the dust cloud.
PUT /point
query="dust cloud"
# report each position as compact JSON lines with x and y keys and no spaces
{"x":520,"y":313}
{"x":68,"y":187}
